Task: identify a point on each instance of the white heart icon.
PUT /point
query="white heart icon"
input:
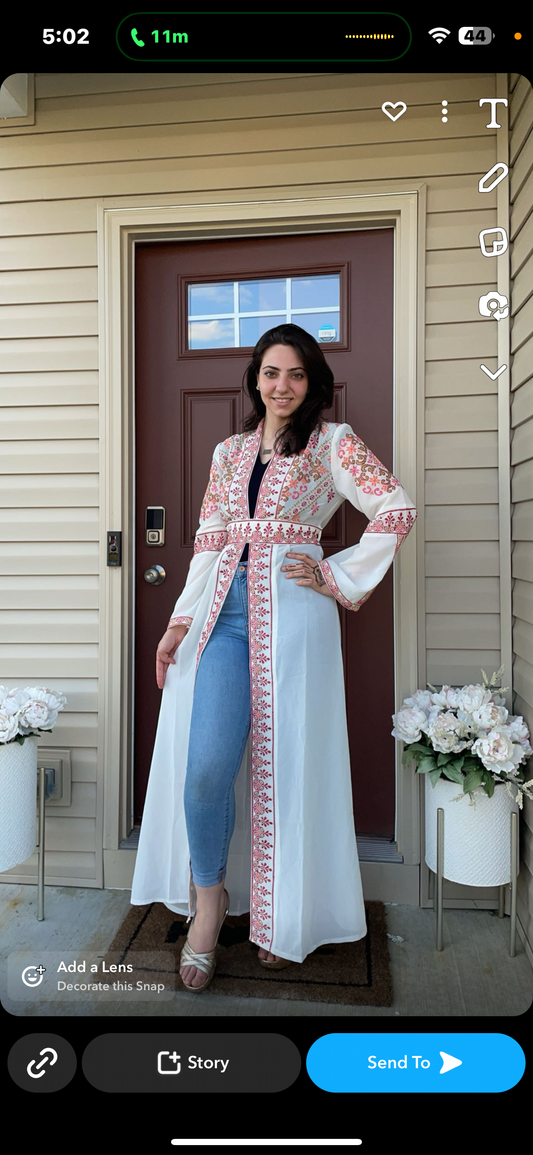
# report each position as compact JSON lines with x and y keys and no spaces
{"x":388,"y":104}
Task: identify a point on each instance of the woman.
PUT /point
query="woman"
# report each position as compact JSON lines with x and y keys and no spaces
{"x":258,"y":682}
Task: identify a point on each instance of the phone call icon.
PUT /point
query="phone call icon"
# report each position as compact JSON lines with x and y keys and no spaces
{"x":135,"y":38}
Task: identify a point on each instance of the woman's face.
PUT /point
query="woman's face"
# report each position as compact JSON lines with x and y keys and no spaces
{"x":282,"y":380}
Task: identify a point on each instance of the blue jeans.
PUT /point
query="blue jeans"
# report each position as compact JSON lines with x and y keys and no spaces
{"x":220,"y":723}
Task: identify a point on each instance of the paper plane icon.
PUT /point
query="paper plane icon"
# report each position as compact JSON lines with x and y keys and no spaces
{"x":448,"y":1062}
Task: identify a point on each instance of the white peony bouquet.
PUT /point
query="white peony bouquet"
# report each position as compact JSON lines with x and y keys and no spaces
{"x":467,"y":735}
{"x":26,"y":712}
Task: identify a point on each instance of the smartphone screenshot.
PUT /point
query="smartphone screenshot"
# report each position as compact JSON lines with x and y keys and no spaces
{"x":266,"y":579}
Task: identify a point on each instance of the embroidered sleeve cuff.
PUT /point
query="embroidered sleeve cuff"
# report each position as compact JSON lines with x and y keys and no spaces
{"x":397,"y":521}
{"x":327,"y":574}
{"x":180,"y":620}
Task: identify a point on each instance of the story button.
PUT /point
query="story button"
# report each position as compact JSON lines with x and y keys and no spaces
{"x":174,"y":1061}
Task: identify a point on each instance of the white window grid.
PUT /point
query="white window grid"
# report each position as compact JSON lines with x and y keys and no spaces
{"x":236,"y":314}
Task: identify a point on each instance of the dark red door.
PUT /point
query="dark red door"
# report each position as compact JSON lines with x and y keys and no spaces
{"x":189,"y":398}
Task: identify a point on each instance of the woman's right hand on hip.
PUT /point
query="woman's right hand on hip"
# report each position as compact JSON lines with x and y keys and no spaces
{"x":166,"y":650}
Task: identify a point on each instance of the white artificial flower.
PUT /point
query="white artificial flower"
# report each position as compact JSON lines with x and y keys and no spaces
{"x":408,"y":724}
{"x":497,"y":751}
{"x":487,"y":717}
{"x":446,"y":733}
{"x":447,"y":698}
{"x":54,"y":698}
{"x":421,"y":698}
{"x":517,"y":727}
{"x":473,"y":698}
{"x":9,"y":727}
{"x":434,"y":712}
{"x":38,"y":707}
{"x":10,"y":704}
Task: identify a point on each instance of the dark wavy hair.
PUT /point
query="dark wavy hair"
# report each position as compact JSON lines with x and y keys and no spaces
{"x":293,"y":437}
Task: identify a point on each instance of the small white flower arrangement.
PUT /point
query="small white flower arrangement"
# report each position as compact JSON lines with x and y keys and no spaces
{"x":26,"y":712}
{"x":467,"y":735}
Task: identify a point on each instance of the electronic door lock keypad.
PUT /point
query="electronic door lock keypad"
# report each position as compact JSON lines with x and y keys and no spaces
{"x":155,"y":525}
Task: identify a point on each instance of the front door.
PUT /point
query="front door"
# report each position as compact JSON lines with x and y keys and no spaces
{"x":200,"y":307}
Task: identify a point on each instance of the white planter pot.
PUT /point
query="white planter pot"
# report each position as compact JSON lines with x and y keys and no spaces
{"x":477,"y":839}
{"x":18,"y":801}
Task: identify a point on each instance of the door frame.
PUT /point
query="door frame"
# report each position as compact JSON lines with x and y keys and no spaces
{"x":120,"y":228}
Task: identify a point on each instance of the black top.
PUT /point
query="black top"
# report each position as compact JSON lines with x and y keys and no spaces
{"x":253,"y":490}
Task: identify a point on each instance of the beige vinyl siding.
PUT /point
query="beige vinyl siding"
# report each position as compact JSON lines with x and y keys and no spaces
{"x":126,"y":140}
{"x":521,"y":236}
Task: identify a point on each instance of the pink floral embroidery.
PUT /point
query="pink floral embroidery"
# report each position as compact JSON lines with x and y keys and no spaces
{"x":297,"y":486}
{"x":231,"y":453}
{"x":212,"y":494}
{"x":180,"y":620}
{"x":262,"y":746}
{"x":210,"y":541}
{"x":269,"y":497}
{"x":242,"y":470}
{"x":329,"y":578}
{"x":367,"y":470}
{"x":364,"y":599}
{"x":393,"y":521}
{"x":309,"y":477}
{"x":327,"y":574}
{"x":272,"y":532}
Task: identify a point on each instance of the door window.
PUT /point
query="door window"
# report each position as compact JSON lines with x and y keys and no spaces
{"x":232,"y":314}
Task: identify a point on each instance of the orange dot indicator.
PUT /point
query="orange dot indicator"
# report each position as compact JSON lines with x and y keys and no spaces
{"x":518,"y":35}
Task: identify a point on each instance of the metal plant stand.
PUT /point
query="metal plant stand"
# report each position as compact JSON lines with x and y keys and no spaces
{"x":45,"y":789}
{"x":437,"y":897}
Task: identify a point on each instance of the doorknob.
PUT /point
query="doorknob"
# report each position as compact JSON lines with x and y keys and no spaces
{"x":155,"y":575}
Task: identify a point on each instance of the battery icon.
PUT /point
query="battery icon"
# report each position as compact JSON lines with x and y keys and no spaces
{"x":475,"y":35}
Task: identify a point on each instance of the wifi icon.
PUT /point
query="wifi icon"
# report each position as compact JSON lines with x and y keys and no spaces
{"x":439,"y":34}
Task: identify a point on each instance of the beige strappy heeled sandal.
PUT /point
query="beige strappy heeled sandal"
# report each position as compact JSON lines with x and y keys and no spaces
{"x":205,"y":961}
{"x":278,"y":965}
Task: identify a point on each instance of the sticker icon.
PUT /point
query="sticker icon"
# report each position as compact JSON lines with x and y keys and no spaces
{"x":495,"y":167}
{"x":498,"y":245}
{"x":494,"y":305}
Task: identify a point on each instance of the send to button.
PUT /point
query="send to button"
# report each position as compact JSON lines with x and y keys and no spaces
{"x":415,"y":1062}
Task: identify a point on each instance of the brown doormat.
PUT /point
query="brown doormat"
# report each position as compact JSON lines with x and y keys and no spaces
{"x":347,"y":973}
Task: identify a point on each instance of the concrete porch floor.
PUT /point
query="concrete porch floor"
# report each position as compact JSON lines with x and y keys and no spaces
{"x":473,"y":975}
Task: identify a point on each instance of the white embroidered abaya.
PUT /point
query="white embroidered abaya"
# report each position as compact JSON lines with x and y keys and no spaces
{"x":293,"y":856}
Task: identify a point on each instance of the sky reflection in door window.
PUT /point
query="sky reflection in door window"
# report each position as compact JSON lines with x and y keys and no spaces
{"x":235,"y":314}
